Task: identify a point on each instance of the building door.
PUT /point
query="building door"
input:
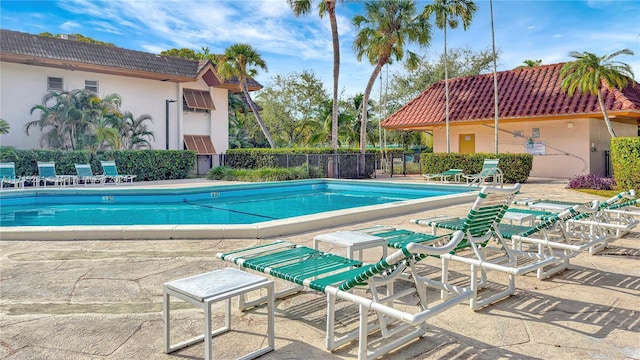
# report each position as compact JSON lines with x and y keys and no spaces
{"x":467,"y":144}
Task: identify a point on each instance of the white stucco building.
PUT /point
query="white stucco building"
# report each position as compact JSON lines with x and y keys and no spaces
{"x":186,"y":98}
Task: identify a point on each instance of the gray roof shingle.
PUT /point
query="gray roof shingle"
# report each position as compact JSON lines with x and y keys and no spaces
{"x":29,"y":45}
{"x":20,"y":43}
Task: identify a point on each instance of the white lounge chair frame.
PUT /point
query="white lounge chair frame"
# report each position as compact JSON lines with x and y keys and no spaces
{"x":408,"y":325}
{"x":490,"y":170}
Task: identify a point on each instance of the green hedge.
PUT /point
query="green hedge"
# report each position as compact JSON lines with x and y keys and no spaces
{"x":625,"y":161}
{"x":516,"y":167}
{"x":264,"y":174}
{"x":146,"y":164}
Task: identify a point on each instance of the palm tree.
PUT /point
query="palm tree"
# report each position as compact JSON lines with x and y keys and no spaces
{"x":70,"y":119}
{"x":301,"y":7}
{"x":447,"y":13}
{"x":529,"y":64}
{"x":319,"y":132}
{"x":4,"y":127}
{"x":239,"y":61}
{"x":382,"y":36}
{"x":134,"y":132}
{"x":58,"y":113}
{"x":589,"y":73}
{"x":355,"y":128}
{"x":97,"y":122}
{"x":108,"y":134}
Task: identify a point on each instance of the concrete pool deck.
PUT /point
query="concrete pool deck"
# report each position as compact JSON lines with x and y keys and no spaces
{"x":103,"y":300}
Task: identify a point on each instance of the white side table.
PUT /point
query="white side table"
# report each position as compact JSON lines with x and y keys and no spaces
{"x":521,"y":218}
{"x":547,"y":206}
{"x":352,"y":241}
{"x":205,"y":289}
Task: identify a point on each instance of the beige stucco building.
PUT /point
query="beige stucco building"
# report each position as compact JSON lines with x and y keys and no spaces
{"x":567,"y":135}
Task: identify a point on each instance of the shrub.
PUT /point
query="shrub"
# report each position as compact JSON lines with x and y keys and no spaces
{"x":145,"y":164}
{"x":516,"y":167}
{"x":218,"y":173}
{"x":264,"y":174}
{"x":591,"y":181}
{"x":625,"y":161}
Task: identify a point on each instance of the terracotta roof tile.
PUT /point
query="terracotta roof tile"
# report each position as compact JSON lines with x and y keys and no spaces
{"x":526,"y":92}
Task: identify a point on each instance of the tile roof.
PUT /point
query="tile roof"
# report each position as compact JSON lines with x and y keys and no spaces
{"x":35,"y":47}
{"x":20,"y":43}
{"x":523,"y":93}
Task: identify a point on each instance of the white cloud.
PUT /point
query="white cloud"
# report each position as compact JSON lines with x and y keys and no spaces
{"x":69,"y":26}
{"x":544,"y":30}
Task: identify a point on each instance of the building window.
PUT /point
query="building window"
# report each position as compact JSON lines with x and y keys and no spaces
{"x":54,"y":83}
{"x":91,"y":85}
{"x":197,"y":100}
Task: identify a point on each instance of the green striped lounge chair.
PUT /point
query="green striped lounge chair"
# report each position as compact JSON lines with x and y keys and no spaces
{"x":486,"y":249}
{"x":549,"y":236}
{"x":86,"y":176}
{"x":625,"y":213}
{"x":490,"y":174}
{"x":482,"y":247}
{"x":8,"y":175}
{"x":47,"y":175}
{"x":111,"y":172}
{"x":454,"y":174}
{"x":604,"y":218}
{"x":339,"y":278}
{"x":616,"y":227}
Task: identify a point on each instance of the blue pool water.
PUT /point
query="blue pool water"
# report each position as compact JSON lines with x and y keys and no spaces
{"x":223,"y":204}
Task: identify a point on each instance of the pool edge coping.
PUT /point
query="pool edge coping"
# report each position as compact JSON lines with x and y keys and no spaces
{"x":266,"y":229}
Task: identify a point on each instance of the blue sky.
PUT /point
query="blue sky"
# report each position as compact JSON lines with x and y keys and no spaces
{"x":535,"y":29}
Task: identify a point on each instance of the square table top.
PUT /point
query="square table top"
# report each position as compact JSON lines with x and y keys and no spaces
{"x":214,"y":283}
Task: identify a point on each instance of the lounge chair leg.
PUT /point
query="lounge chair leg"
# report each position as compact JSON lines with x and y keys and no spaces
{"x":364,"y":332}
{"x":331,"y":317}
{"x":444,"y":294}
{"x":473,"y":303}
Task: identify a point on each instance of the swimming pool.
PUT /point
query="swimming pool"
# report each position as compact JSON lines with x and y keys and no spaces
{"x":221,"y":211}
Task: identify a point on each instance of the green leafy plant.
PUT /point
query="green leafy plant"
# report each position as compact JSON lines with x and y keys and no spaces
{"x":625,"y":161}
{"x":264,"y":174}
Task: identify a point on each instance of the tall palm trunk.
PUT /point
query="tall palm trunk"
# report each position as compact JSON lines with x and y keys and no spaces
{"x":364,"y":105}
{"x":446,"y":90}
{"x":331,"y":9}
{"x":605,"y":115}
{"x":259,"y":120}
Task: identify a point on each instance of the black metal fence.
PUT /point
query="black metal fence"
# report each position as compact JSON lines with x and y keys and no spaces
{"x":608,"y":171}
{"x":341,"y":166}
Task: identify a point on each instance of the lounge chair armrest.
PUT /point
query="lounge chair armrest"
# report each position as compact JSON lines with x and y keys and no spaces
{"x":631,"y":194}
{"x":454,"y":240}
{"x":595,"y":204}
